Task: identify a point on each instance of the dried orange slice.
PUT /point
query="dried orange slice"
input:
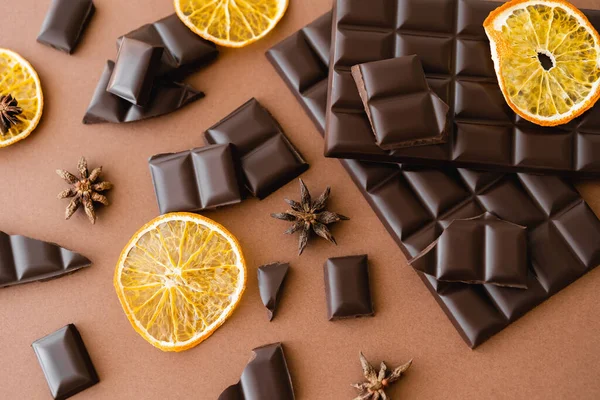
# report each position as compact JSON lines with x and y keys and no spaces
{"x":547,"y":58}
{"x":179,"y":278}
{"x":231,"y":23}
{"x":19,"y":80}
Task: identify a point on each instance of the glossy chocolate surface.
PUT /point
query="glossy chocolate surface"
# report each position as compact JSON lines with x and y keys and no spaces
{"x":24,"y":260}
{"x":449,"y":38}
{"x":271,"y":278}
{"x":347,"y":288}
{"x":265,"y":377}
{"x":195,"y":180}
{"x":416,"y":203}
{"x":64,"y":23}
{"x":402,"y":109}
{"x":484,"y":249}
{"x":65,"y":362}
{"x":269,"y":159}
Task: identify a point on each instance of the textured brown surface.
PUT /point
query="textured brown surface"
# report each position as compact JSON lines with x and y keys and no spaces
{"x":551,"y":353}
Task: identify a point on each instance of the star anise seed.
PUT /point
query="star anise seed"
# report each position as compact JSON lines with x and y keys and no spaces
{"x":85,"y":190}
{"x":9,"y":110}
{"x":309,"y":215}
{"x":374,"y":387}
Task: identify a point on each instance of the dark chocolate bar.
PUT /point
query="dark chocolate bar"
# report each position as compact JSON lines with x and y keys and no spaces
{"x":483,"y":131}
{"x":484,"y":249}
{"x":269,"y":160}
{"x":347,"y":288}
{"x":65,"y":362}
{"x":195,"y":180}
{"x":184,"y":51}
{"x":270,"y":283}
{"x":165,"y":98}
{"x":24,"y":260}
{"x":402,"y":110}
{"x":64,"y":23}
{"x":135,"y":70}
{"x":265,"y":377}
{"x":415,"y":204}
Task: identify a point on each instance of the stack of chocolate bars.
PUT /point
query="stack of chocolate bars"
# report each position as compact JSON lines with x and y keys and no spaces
{"x":405,"y":94}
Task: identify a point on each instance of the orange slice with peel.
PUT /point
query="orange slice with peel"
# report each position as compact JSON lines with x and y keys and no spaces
{"x":19,"y":80}
{"x":179,"y":278}
{"x":231,"y":23}
{"x":547,"y":59}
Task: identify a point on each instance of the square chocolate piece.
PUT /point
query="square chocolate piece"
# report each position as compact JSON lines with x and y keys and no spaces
{"x":347,"y":287}
{"x":64,"y":23}
{"x":403,"y":111}
{"x":269,"y":160}
{"x":135,"y":69}
{"x":195,"y":180}
{"x":65,"y":362}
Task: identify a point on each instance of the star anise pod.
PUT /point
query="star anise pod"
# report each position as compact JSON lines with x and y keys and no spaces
{"x":9,"y":109}
{"x":308,"y":215}
{"x":85,"y":190}
{"x":374,"y":388}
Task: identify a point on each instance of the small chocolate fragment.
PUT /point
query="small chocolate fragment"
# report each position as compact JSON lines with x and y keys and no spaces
{"x":195,"y":180}
{"x":265,"y":377}
{"x":347,"y":287}
{"x":270,"y":283}
{"x":184,"y":51}
{"x":65,"y":362}
{"x":269,"y":160}
{"x":483,"y":249}
{"x":403,"y":111}
{"x":135,"y":70}
{"x":165,"y":98}
{"x":64,"y":23}
{"x":24,"y":260}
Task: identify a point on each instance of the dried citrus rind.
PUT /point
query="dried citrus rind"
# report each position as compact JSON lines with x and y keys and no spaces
{"x":179,"y":278}
{"x":547,"y":59}
{"x":19,"y":79}
{"x":231,"y":23}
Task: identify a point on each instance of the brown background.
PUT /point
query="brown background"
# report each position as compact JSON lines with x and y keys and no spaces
{"x":551,"y":353}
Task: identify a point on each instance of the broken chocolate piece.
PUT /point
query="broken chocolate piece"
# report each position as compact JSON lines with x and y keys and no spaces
{"x":64,"y":23}
{"x":270,"y":283}
{"x":347,"y":288}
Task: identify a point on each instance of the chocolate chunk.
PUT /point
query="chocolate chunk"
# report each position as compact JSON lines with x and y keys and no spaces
{"x":195,"y":180}
{"x":65,"y":362}
{"x":416,"y":203}
{"x":403,"y":111}
{"x":134,"y":72}
{"x":483,"y":132}
{"x":347,"y":287}
{"x":484,"y":249}
{"x":24,"y":260}
{"x":64,"y":23}
{"x":265,"y":377}
{"x":270,"y":283}
{"x":165,"y":98}
{"x":269,"y":160}
{"x":184,"y":51}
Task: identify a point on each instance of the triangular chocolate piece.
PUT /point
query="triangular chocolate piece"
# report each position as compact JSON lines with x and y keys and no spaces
{"x":270,"y":283}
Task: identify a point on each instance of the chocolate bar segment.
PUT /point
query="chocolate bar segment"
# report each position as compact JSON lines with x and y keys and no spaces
{"x":24,"y":260}
{"x":269,"y":160}
{"x":64,"y":23}
{"x":415,"y":204}
{"x":195,"y":180}
{"x":347,"y":288}
{"x":265,"y":377}
{"x":135,"y":70}
{"x":184,"y":51}
{"x":65,"y":362}
{"x":484,"y":249}
{"x":165,"y":98}
{"x":271,"y":278}
{"x":402,"y":110}
{"x":483,"y":132}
